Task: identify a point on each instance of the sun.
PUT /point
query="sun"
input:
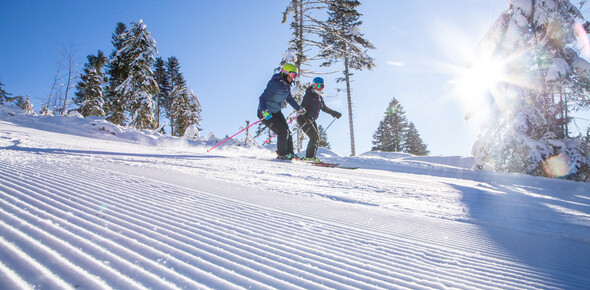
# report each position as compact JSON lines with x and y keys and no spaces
{"x":482,"y":85}
{"x":476,"y":84}
{"x":484,"y":75}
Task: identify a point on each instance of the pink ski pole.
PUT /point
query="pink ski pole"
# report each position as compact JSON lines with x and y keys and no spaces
{"x":235,"y":135}
{"x":268,"y":141}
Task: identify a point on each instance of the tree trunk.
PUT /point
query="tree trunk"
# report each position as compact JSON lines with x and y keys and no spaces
{"x":349,"y":97}
{"x":55,"y":80}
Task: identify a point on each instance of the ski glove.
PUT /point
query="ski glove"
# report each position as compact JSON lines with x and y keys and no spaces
{"x":266,"y":115}
{"x":302,"y":111}
{"x":336,"y":115}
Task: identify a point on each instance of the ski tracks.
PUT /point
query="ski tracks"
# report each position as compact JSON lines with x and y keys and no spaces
{"x":61,"y":226}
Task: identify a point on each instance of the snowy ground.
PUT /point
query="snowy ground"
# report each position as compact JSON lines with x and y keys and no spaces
{"x":84,"y":204}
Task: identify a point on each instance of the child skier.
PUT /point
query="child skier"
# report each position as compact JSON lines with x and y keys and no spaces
{"x":277,"y":91}
{"x":312,"y":103}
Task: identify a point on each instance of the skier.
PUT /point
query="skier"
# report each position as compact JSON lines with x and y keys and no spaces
{"x":277,"y":91}
{"x":312,"y":103}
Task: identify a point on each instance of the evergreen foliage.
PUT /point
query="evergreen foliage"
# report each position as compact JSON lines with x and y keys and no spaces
{"x":185,"y":109}
{"x":4,"y":96}
{"x":396,"y":134}
{"x":117,"y":72}
{"x":323,"y":142}
{"x":413,"y":144}
{"x":23,"y":103}
{"x":177,"y":84}
{"x":89,"y":94}
{"x":343,"y":42}
{"x":138,"y":89}
{"x":389,"y":136}
{"x":526,"y":128}
{"x":175,"y":77}
{"x":161,"y":77}
{"x":183,"y":105}
{"x":304,"y":46}
{"x":306,"y":31}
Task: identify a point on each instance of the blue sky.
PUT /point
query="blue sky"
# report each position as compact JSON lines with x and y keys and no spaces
{"x":228,"y":50}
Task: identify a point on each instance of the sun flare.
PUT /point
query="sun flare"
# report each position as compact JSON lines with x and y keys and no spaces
{"x":482,"y":84}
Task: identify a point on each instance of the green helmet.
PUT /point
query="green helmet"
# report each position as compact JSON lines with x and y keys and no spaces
{"x":290,"y":70}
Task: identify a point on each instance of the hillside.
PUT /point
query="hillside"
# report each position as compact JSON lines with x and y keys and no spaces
{"x":85,"y":204}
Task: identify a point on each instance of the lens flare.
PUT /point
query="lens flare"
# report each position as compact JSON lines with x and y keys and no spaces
{"x":557,"y":166}
{"x":582,"y":39}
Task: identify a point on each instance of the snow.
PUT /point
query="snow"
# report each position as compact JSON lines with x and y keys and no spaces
{"x":582,"y":67}
{"x":558,"y":68}
{"x":86,"y":204}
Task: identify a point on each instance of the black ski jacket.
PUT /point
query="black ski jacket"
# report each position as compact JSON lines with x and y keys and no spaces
{"x":313,"y":103}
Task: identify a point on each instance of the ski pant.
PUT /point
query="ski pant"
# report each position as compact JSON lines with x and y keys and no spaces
{"x":310,"y":128}
{"x":278,"y":125}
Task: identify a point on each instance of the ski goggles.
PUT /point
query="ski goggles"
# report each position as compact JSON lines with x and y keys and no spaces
{"x":319,"y":86}
{"x":293,"y":75}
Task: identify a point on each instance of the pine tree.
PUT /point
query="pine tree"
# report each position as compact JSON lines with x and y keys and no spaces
{"x":527,"y":123}
{"x":323,"y":142}
{"x":89,"y":95}
{"x":161,"y":77}
{"x":183,"y":105}
{"x":117,"y":72}
{"x":139,"y":88}
{"x":413,"y":144}
{"x":186,"y":109}
{"x":389,"y":136}
{"x":305,"y":45}
{"x":175,"y":77}
{"x":4,"y":96}
{"x":24,"y":104}
{"x":304,"y":27}
{"x":177,"y":85}
{"x":343,"y":42}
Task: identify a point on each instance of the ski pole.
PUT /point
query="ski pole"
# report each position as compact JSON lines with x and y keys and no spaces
{"x":329,"y":125}
{"x":268,"y":140}
{"x":235,"y":135}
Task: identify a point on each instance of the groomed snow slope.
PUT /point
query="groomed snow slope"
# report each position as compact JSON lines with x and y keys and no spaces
{"x":84,"y":204}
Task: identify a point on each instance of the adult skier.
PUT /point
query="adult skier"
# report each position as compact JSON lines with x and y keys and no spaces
{"x":278,"y":90}
{"x":312,"y":103}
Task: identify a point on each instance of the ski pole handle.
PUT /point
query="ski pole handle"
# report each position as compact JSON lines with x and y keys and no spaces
{"x":234,"y":135}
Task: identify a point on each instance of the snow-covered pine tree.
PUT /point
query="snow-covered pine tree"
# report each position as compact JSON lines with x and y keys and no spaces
{"x":413,"y":144}
{"x":343,"y":42}
{"x":23,"y":103}
{"x":139,"y":48}
{"x":89,"y":94}
{"x":183,"y":105}
{"x":161,"y":77}
{"x":390,"y":134}
{"x":117,"y":72}
{"x":525,"y":131}
{"x":186,"y":109}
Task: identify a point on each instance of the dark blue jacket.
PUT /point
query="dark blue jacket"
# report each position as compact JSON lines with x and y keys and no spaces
{"x":313,"y":103}
{"x":276,"y":92}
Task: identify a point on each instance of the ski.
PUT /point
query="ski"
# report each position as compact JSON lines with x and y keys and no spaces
{"x":316,"y":163}
{"x":332,"y":165}
{"x":324,"y":164}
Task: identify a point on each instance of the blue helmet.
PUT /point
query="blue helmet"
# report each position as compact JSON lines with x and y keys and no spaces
{"x":318,"y":80}
{"x":318,"y":83}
